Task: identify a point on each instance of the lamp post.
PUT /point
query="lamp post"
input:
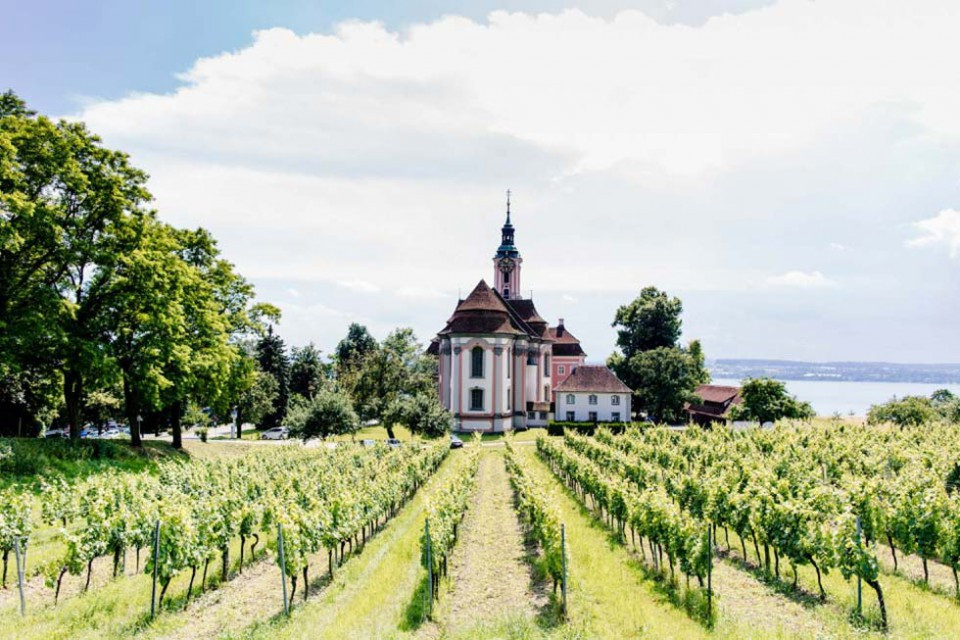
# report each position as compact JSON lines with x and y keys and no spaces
{"x":233,"y":415}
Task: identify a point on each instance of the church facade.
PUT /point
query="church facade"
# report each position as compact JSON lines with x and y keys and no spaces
{"x":499,"y":360}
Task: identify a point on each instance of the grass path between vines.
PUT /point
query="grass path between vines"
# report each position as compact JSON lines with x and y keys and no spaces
{"x":375,"y":594}
{"x":609,"y":596}
{"x":489,"y":577}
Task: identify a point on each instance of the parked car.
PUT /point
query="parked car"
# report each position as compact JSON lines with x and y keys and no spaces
{"x":368,"y":443}
{"x":57,"y":433}
{"x":455,"y":442}
{"x":393,"y":442}
{"x":277,"y":433}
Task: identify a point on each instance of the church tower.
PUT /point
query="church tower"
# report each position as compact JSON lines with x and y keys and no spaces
{"x":507,"y":261}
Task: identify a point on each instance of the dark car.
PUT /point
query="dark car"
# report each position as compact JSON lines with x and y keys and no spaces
{"x":455,"y":442}
{"x":393,"y":443}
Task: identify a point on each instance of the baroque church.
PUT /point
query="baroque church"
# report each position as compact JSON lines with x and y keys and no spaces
{"x":500,"y":362}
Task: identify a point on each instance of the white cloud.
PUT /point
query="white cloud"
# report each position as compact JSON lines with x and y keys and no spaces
{"x":293,"y":293}
{"x":942,"y":229}
{"x":836,"y":246}
{"x":360,"y":286}
{"x":569,"y":298}
{"x":801,"y":280}
{"x":683,"y":156}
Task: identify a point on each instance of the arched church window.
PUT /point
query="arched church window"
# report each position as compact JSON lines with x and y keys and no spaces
{"x":476,"y":362}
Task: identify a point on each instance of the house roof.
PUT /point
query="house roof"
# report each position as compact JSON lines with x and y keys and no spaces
{"x":589,"y":377}
{"x":565,"y":343}
{"x":718,"y":394}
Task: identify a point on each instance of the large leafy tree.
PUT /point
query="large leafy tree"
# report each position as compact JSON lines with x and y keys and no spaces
{"x":421,"y":413}
{"x":66,"y":203}
{"x":397,"y":367}
{"x":766,"y":400}
{"x":903,"y":412}
{"x":329,"y":413}
{"x":354,"y":347}
{"x":651,"y":361}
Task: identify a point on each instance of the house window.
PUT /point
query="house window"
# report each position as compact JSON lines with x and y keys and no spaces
{"x":531,"y":415}
{"x":571,"y":416}
{"x":543,"y":415}
{"x":476,"y":399}
{"x":509,"y":362}
{"x":592,"y":417}
{"x":509,"y":400}
{"x":615,"y":400}
{"x":546,"y":361}
{"x":476,"y":362}
{"x":561,"y":370}
{"x":531,"y":357}
{"x":615,"y":416}
{"x":546,"y":391}
{"x":592,"y":399}
{"x":571,"y":399}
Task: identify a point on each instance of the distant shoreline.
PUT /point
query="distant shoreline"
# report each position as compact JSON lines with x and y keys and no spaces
{"x":840,"y":371}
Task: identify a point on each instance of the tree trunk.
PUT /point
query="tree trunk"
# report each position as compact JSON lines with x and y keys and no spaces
{"x":743,"y":546}
{"x":253,"y":547}
{"x":883,"y":607}
{"x":203,"y":580}
{"x":72,"y":397}
{"x":163,"y":591}
{"x":330,"y":562}
{"x":225,"y":568}
{"x":176,"y":413}
{"x":726,"y":534}
{"x":132,"y":410}
{"x":956,"y":580}
{"x":893,"y":551}
{"x":138,"y":559}
{"x":6,"y":559}
{"x":193,"y":574}
{"x":823,"y":594}
{"x":926,"y":572}
{"x":776,"y":563}
{"x":389,"y":428}
{"x":89,"y":572}
{"x":293,"y":582}
{"x":243,"y":542}
{"x":306,"y":584}
{"x":116,"y":561}
{"x":756,"y":547}
{"x":56,"y":594}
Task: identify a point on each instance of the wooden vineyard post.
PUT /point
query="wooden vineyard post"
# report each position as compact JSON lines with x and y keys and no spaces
{"x":21,"y":567}
{"x":156,"y":557}
{"x":859,"y":582}
{"x":563,"y":563}
{"x":426,"y":533}
{"x":283,"y":569}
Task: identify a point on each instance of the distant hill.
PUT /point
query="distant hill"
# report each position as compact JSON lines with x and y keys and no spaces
{"x":836,"y":371}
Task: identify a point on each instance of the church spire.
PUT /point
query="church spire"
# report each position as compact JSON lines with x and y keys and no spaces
{"x":507,"y":260}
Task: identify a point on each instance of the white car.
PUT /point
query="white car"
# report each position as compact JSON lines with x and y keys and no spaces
{"x":277,"y":433}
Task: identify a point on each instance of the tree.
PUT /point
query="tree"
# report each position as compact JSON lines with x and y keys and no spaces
{"x":663,"y":380}
{"x":422,"y":414}
{"x":651,"y":321}
{"x":397,"y":367}
{"x":329,"y":413}
{"x":766,"y":400}
{"x":65,"y":201}
{"x":273,"y":360}
{"x":307,"y":371}
{"x":258,"y":399}
{"x":905,"y":412}
{"x":352,"y":349}
{"x":662,"y":373}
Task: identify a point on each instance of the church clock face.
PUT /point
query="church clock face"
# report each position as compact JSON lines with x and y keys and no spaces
{"x":506,"y":265}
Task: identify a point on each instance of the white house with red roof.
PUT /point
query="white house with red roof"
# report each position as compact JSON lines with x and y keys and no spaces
{"x":593,"y":393}
{"x":498,"y":359}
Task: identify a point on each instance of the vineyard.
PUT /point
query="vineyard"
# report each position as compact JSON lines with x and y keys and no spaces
{"x":652,"y":532}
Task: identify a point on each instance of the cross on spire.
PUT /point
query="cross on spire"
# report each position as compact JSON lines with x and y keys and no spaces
{"x":508,"y":206}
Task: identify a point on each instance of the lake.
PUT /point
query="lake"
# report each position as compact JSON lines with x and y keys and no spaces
{"x":829,"y":397}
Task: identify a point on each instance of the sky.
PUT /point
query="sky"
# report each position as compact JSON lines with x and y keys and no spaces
{"x":790,"y":169}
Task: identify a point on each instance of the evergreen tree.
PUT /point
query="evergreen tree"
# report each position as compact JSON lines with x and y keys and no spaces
{"x":307,"y":371}
{"x":273,"y":360}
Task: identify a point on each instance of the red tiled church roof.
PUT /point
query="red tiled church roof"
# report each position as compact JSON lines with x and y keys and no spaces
{"x":589,"y":377}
